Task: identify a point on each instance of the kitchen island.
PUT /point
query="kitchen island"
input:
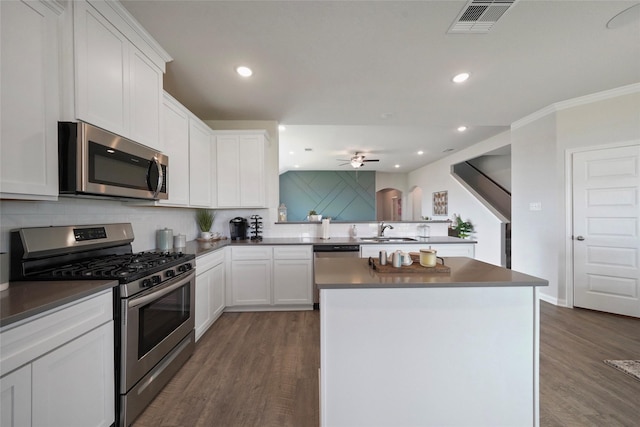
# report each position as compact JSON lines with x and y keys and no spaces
{"x":428,"y":349}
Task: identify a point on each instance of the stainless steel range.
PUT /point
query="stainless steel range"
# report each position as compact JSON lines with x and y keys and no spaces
{"x":153,"y":305}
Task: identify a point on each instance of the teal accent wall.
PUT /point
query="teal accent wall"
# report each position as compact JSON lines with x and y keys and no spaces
{"x":343,"y":196}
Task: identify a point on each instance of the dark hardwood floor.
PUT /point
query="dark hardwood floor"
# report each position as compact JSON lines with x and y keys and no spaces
{"x":261,"y":369}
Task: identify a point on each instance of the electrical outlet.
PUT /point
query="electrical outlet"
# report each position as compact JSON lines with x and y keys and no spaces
{"x":535,"y":206}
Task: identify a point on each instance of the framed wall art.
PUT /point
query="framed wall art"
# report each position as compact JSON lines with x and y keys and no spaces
{"x":440,"y":203}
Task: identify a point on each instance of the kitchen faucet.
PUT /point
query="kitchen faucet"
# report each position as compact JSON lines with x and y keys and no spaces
{"x":383,"y":227}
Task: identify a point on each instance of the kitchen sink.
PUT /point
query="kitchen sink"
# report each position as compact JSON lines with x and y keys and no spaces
{"x":388,"y":239}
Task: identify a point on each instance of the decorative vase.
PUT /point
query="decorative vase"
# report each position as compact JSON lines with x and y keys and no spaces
{"x":206,"y":235}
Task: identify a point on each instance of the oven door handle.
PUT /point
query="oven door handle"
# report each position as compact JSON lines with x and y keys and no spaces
{"x":160,"y":292}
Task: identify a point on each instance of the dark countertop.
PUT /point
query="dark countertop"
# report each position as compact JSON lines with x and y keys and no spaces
{"x":201,"y":248}
{"x":355,"y":273}
{"x":26,"y":299}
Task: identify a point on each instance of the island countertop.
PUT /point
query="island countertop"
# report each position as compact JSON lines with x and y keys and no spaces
{"x":355,"y":273}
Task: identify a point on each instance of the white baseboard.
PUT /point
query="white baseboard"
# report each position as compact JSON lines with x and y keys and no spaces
{"x":552,"y":300}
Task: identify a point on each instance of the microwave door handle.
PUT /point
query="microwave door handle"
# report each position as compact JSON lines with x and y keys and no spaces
{"x":160,"y":177}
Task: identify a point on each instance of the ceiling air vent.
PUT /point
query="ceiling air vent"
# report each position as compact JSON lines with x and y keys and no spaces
{"x":478,"y":16}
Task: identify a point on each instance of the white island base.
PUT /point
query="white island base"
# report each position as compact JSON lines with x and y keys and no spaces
{"x":429,"y":356}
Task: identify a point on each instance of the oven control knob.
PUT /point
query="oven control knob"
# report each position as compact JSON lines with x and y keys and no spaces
{"x":156,"y":279}
{"x":147,"y":283}
{"x":170,"y":273}
{"x":184,"y":267}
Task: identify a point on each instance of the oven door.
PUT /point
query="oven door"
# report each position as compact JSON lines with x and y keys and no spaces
{"x":153,"y":323}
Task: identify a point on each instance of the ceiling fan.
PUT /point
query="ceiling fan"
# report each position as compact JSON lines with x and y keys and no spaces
{"x":357,"y":161}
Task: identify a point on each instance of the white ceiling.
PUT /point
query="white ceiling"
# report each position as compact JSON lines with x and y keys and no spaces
{"x":375,"y":76}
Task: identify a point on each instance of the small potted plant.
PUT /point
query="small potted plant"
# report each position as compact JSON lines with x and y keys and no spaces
{"x":313,"y":216}
{"x":460,"y":228}
{"x":204,"y":218}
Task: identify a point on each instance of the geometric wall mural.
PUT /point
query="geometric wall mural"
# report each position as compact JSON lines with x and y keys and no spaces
{"x":342,"y":196}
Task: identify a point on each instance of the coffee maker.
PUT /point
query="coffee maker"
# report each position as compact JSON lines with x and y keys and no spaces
{"x":238,"y":227}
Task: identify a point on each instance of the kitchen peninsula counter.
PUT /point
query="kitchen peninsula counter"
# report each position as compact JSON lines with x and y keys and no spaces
{"x":407,"y":349}
{"x":198,"y":247}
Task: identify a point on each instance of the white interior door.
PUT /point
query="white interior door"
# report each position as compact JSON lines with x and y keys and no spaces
{"x":606,"y":227}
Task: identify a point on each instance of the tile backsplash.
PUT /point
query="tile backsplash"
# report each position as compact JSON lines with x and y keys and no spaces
{"x":147,"y":220}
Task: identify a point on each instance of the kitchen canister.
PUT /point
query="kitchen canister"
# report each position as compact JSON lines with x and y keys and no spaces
{"x":397,"y":259}
{"x":164,"y":239}
{"x":428,"y":257}
{"x":382,"y":257}
{"x":179,"y":242}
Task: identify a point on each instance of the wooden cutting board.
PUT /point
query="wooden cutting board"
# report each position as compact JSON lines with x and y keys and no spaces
{"x":413,"y":268}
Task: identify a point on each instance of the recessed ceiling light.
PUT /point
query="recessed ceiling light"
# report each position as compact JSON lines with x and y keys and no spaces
{"x":385,"y":116}
{"x":296,"y":166}
{"x":459,"y":78}
{"x":282,"y":128}
{"x":397,"y":166}
{"x":244,"y":71}
{"x":420,"y":152}
{"x":462,"y":128}
{"x":291,"y":152}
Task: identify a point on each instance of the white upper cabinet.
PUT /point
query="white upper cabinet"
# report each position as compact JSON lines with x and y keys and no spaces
{"x":118,"y":72}
{"x":175,"y":140}
{"x":200,"y":171}
{"x":241,"y":178}
{"x":29,"y":105}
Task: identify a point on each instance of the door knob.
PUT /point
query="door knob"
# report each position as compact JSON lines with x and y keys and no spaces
{"x":580,"y":238}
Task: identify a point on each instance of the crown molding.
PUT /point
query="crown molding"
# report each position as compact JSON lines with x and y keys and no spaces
{"x":576,"y":102}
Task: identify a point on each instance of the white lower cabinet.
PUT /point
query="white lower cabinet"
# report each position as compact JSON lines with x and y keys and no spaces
{"x":444,"y":249}
{"x":271,"y":277}
{"x":73,"y":385}
{"x":58,"y":369}
{"x":15,"y":408}
{"x":292,"y":274}
{"x":210,"y":290}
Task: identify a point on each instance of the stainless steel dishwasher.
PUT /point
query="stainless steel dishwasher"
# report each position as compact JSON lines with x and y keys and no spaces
{"x":333,"y":250}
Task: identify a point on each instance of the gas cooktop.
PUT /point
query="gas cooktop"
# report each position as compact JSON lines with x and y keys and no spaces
{"x":124,"y":267}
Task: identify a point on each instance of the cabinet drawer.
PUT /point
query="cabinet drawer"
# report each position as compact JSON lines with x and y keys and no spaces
{"x":251,"y":253}
{"x":28,"y":341}
{"x":208,"y":261}
{"x":293,"y":252}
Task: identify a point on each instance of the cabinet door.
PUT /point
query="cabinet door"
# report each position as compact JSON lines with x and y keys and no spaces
{"x":292,"y":281}
{"x":217,"y":291}
{"x":203,"y":302}
{"x":74,"y":384}
{"x":15,"y":409}
{"x":146,"y":100}
{"x":30,"y":100}
{"x":228,"y":179}
{"x":251,"y":282}
{"x":175,"y":140}
{"x":251,"y":171}
{"x":102,"y":74}
{"x":200,"y":181}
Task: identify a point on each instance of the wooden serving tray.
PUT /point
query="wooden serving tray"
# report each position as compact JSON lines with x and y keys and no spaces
{"x":413,"y":268}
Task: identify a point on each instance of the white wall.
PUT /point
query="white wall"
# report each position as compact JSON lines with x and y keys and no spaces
{"x":541,"y":149}
{"x":437,"y":177}
{"x":536,"y":178}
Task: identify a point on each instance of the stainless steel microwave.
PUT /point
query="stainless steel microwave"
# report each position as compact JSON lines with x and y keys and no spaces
{"x":95,"y":162}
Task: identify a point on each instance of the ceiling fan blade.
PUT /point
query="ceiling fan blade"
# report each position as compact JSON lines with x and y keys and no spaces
{"x":372,"y":160}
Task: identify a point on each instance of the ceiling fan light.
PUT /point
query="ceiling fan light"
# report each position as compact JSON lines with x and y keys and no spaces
{"x":356,"y":162}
